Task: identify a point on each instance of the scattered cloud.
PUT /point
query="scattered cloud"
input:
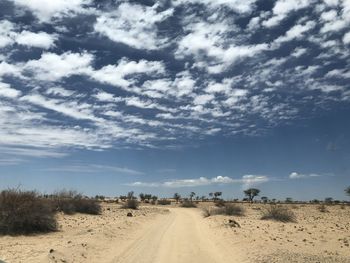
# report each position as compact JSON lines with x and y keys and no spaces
{"x":246,"y":180}
{"x":295,"y":175}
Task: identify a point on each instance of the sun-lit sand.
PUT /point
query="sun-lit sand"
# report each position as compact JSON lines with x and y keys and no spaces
{"x":173,"y":234}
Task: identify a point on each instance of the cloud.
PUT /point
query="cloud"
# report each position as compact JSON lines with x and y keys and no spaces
{"x":8,"y":92}
{"x":40,"y":39}
{"x":93,"y":168}
{"x":133,"y":25}
{"x":295,"y":175}
{"x":246,"y":180}
{"x":346,"y":38}
{"x":47,"y":10}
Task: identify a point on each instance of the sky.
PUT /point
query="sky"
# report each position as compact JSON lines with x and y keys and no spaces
{"x":107,"y":97}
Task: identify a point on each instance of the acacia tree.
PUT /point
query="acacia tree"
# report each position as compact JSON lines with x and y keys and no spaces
{"x":251,"y":193}
{"x":142,"y":197}
{"x":216,"y":195}
{"x":177,"y":197}
{"x":347,"y":191}
{"x":192,"y":194}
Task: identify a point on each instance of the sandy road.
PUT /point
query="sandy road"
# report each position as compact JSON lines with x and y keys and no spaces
{"x":181,"y":237}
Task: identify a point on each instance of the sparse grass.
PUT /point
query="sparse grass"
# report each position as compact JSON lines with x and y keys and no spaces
{"x":220,"y":203}
{"x":188,"y":204}
{"x":322,"y":208}
{"x":24,"y":212}
{"x":206,"y":212}
{"x":131,"y":204}
{"x":71,"y":202}
{"x":279,"y":213}
{"x":164,"y":202}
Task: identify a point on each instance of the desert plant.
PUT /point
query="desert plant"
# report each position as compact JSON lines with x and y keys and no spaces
{"x":278,"y":213}
{"x":216,"y":195}
{"x":131,"y":204}
{"x":251,"y":193}
{"x":164,"y":202}
{"x":220,"y":203}
{"x":233,"y":210}
{"x":322,"y":208}
{"x":347,"y":191}
{"x":188,"y":204}
{"x":206,"y":212}
{"x":192,"y":194}
{"x":24,"y":212}
{"x":177,"y":197}
{"x":71,"y":202}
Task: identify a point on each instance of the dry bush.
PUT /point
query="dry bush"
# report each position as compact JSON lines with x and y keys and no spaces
{"x":228,"y":209}
{"x":279,"y":213}
{"x":233,"y":210}
{"x":188,"y":204}
{"x":131,"y":204}
{"x":164,"y":202}
{"x":220,"y":203}
{"x":71,"y":202}
{"x":322,"y":208}
{"x":24,"y":212}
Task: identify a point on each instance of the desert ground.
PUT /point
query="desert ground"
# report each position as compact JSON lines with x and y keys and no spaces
{"x":175,"y":234}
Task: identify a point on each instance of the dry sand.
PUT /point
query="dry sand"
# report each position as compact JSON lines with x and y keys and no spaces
{"x":170,"y":234}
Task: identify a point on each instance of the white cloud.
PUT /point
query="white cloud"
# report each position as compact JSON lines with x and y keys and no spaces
{"x":283,"y":8}
{"x":8,"y":92}
{"x":53,"y":67}
{"x":134,"y":25}
{"x":346,"y":38}
{"x":296,"y":32}
{"x":246,"y":180}
{"x":40,"y":39}
{"x":6,"y":33}
{"x":295,"y":175}
{"x":239,"y":6}
{"x":46,"y":10}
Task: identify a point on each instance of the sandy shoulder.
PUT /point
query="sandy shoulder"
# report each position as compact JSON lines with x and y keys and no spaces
{"x":81,"y":238}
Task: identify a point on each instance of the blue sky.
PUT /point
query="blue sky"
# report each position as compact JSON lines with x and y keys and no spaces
{"x":176,"y":96}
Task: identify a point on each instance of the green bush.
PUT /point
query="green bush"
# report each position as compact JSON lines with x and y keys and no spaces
{"x":24,"y":212}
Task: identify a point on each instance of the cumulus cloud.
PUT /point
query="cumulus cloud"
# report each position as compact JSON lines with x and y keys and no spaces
{"x":40,"y":39}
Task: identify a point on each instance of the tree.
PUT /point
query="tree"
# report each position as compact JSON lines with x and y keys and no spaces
{"x":216,"y":195}
{"x":177,"y":197}
{"x":192,"y":194}
{"x":154,"y":198}
{"x":264,"y":199}
{"x":142,"y":197}
{"x":347,"y":191}
{"x":328,"y":200}
{"x":131,"y":195}
{"x":251,"y":193}
{"x":289,"y":200}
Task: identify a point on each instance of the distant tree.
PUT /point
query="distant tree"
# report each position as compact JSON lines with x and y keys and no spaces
{"x":251,"y":193}
{"x":142,"y":197}
{"x":131,"y":195}
{"x":203,"y":197}
{"x":289,"y":200}
{"x":177,"y":197}
{"x":264,"y":199}
{"x":216,"y":195}
{"x":347,"y":191}
{"x":211,"y":195}
{"x":192,"y":194}
{"x":154,"y":198}
{"x":328,"y":200}
{"x":148,"y":196}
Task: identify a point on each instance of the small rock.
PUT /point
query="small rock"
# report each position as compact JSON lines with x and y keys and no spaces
{"x":51,"y":250}
{"x":129,"y":214}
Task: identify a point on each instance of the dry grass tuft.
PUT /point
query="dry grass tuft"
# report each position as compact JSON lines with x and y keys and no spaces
{"x":164,"y":202}
{"x":188,"y":204}
{"x":131,"y":204}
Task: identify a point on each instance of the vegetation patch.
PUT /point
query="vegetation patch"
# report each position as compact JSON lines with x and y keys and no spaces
{"x":25,"y":212}
{"x":279,"y":213}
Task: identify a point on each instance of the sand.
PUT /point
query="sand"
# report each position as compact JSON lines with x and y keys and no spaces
{"x":172,"y":234}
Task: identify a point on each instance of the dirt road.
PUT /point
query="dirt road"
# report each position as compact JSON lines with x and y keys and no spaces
{"x":181,"y":237}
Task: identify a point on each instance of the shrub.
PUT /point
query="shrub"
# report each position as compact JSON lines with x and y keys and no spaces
{"x":322,"y":208}
{"x":131,"y":204}
{"x":24,"y":212}
{"x":278,"y":213}
{"x":164,"y":202}
{"x":220,"y":203}
{"x":233,"y":210}
{"x":228,"y":209}
{"x":71,"y":202}
{"x":188,"y":204}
